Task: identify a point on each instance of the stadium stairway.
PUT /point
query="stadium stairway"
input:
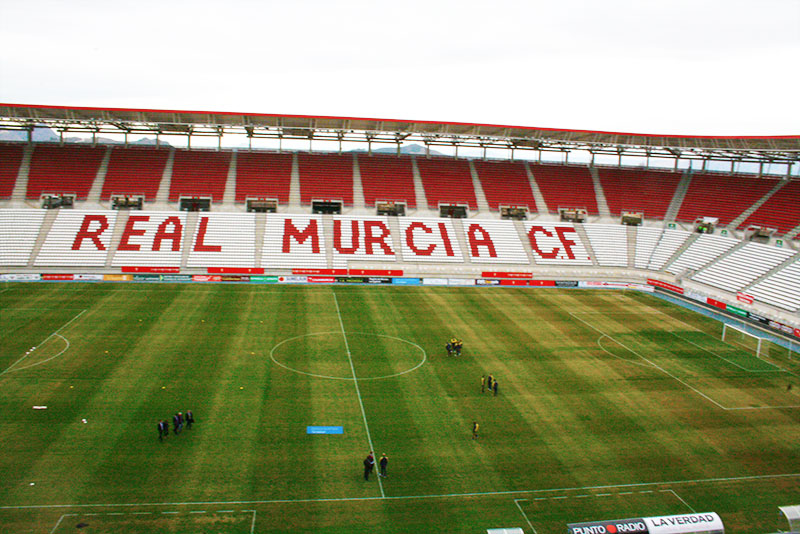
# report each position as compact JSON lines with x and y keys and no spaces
{"x":189,"y":229}
{"x":458,"y":226}
{"x":793,"y":233}
{"x":261,"y":225}
{"x":294,"y":184}
{"x":480,"y":195}
{"x":677,"y":198}
{"x":581,"y":231}
{"x":787,"y":262}
{"x":632,"y":231}
{"x":602,"y":203}
{"x":358,"y":187}
{"x":541,"y":205}
{"x":21,"y":184}
{"x":229,"y":193}
{"x":47,"y":224}
{"x":327,"y":233}
{"x":419,"y":189}
{"x":116,"y":237}
{"x":166,"y":180}
{"x":735,"y":223}
{"x":97,"y":185}
{"x":679,"y":252}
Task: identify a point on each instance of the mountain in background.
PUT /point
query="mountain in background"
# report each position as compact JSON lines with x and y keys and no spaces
{"x":406,"y":149}
{"x":42,"y":134}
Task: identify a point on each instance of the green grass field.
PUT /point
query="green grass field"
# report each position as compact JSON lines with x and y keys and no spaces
{"x":610,"y":405}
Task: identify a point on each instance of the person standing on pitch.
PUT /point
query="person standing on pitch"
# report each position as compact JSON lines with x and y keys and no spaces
{"x":160,"y":432}
{"x":483,"y":383}
{"x":494,"y":387}
{"x":383,"y":463}
{"x":189,"y":419}
{"x":489,"y":382}
{"x":369,"y":465}
{"x":475,"y":427}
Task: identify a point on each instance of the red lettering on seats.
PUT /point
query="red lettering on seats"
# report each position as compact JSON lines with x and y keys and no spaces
{"x":427,"y":251}
{"x":130,"y":231}
{"x":380,"y":240}
{"x":337,"y":237}
{"x":173,"y":235}
{"x":448,"y":248}
{"x":485,"y":240}
{"x":535,"y":246}
{"x":291,"y":231}
{"x":561,"y":230}
{"x":199,"y":244}
{"x":94,"y":235}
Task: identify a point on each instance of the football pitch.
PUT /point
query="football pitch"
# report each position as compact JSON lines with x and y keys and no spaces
{"x":610,"y":404}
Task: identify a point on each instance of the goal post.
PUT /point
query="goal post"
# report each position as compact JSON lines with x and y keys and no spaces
{"x":741,"y":338}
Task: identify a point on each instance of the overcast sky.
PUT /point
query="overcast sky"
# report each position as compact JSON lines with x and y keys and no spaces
{"x":722,"y":67}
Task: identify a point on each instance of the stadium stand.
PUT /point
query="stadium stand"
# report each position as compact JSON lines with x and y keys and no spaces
{"x":387,"y":178}
{"x":10,"y":161}
{"x":18,"y":232}
{"x":361,"y":238}
{"x":565,"y":186}
{"x":63,"y":170}
{"x":78,"y":238}
{"x":326,"y":177}
{"x":609,"y":243}
{"x":781,"y":210}
{"x":263,"y":175}
{"x":706,"y":249}
{"x":447,"y":181}
{"x":722,"y":196}
{"x":505,"y":184}
{"x":429,"y":240}
{"x":224,"y":240}
{"x":668,"y":244}
{"x":556,"y":244}
{"x":294,"y":241}
{"x":197,"y":173}
{"x":493,"y":242}
{"x":647,"y":239}
{"x":742,"y":266}
{"x":646,"y":190}
{"x":151,"y":238}
{"x":781,"y":289}
{"x":134,"y":171}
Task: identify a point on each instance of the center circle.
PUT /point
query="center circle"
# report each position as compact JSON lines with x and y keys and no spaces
{"x":327,"y":357}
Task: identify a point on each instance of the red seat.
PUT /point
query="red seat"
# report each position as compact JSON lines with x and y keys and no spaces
{"x":506,"y":184}
{"x":134,"y":171}
{"x":565,"y":186}
{"x":781,"y":211}
{"x":199,"y":174}
{"x":722,"y":195}
{"x":326,"y":177}
{"x":263,"y":175}
{"x":387,"y":178}
{"x":10,"y":160}
{"x":447,"y":181}
{"x":633,"y":189}
{"x":63,"y":170}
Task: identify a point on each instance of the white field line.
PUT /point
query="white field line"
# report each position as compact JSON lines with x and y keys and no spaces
{"x":60,"y":519}
{"x":253,"y":522}
{"x":45,"y":339}
{"x":680,"y":499}
{"x":358,"y":391}
{"x":651,"y":363}
{"x":517,"y":501}
{"x":659,"y":312}
{"x":739,"y":408}
{"x":656,"y":310}
{"x":749,"y":478}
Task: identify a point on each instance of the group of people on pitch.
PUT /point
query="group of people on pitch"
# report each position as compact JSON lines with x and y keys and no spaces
{"x":178,"y":421}
{"x":454,"y":347}
{"x":369,"y":465}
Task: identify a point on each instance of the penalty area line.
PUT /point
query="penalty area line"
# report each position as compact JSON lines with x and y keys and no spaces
{"x":54,"y":334}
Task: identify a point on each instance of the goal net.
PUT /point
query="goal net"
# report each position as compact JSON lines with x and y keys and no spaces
{"x":741,"y":338}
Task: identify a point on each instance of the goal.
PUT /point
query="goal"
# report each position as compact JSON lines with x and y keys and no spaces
{"x":736,"y":336}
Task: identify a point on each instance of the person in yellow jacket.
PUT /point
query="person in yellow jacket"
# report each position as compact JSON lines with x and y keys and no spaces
{"x":475,"y":427}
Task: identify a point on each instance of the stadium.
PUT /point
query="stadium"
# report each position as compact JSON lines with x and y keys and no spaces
{"x":293,"y":280}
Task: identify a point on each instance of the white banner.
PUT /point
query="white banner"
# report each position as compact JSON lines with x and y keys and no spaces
{"x":461,"y":281}
{"x":20,"y":277}
{"x":92,"y":277}
{"x":434,"y":281}
{"x":685,"y":523}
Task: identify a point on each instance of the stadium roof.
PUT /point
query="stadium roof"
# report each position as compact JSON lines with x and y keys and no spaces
{"x":761,"y":149}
